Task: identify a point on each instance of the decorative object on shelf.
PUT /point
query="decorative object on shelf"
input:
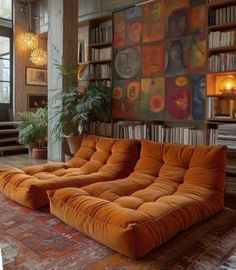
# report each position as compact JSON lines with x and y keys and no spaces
{"x":36,"y":76}
{"x":227,"y":84}
{"x":29,"y":40}
{"x":78,"y":106}
{"x":39,"y":57}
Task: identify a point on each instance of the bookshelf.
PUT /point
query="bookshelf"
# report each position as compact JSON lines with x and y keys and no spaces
{"x":95,"y":61}
{"x":221,"y":83}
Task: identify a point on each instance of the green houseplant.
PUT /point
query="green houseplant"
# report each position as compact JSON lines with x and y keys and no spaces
{"x":33,"y":128}
{"x":78,"y":106}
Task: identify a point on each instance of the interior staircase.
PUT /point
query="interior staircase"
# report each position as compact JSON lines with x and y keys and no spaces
{"x":9,"y":137}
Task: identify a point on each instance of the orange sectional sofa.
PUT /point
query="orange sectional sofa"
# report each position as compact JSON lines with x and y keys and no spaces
{"x":172,"y":187}
{"x":97,"y":159}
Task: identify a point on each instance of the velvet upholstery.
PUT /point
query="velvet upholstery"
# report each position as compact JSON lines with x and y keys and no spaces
{"x":172,"y":187}
{"x":98,"y":159}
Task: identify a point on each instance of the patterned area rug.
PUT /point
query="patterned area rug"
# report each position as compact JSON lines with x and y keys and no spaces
{"x":36,"y":240}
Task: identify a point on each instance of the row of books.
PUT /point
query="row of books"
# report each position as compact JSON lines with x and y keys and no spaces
{"x":230,"y":184}
{"x":222,"y":62}
{"x":214,"y":1}
{"x":222,"y":15}
{"x":102,"y":82}
{"x":226,"y":135}
{"x":221,"y":107}
{"x":101,"y":128}
{"x":157,"y":132}
{"x":100,"y":70}
{"x":101,"y":54}
{"x":222,"y":38}
{"x":102,"y":33}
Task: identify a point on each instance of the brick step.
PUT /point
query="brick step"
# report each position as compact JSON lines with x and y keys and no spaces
{"x":11,"y":139}
{"x":6,"y":131}
{"x":11,"y":148}
{"x":10,"y":123}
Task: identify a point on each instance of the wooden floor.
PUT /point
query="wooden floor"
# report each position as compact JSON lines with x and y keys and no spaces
{"x":22,"y":160}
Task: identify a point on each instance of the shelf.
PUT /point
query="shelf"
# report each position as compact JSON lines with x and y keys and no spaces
{"x":222,"y":26}
{"x":221,"y":4}
{"x":230,"y":95}
{"x":211,"y":120}
{"x":101,"y":79}
{"x":100,"y":61}
{"x":100,"y":45}
{"x":221,"y":49}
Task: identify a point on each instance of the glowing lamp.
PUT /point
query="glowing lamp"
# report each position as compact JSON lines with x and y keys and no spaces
{"x":29,"y":40}
{"x":39,"y":57}
{"x":227,"y":84}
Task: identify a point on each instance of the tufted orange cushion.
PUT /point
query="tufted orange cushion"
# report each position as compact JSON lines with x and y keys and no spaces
{"x":172,"y":187}
{"x":98,"y":159}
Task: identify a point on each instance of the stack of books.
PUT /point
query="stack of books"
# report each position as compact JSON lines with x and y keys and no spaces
{"x":226,"y":135}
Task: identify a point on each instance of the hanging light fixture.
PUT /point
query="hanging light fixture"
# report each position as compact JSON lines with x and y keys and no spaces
{"x":39,"y":57}
{"x":29,"y":40}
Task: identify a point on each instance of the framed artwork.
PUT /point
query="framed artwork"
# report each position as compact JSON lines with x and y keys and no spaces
{"x":36,"y":76}
{"x":159,"y":57}
{"x":35,"y":101}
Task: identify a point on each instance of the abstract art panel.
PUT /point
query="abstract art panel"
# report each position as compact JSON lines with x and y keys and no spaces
{"x":178,"y":97}
{"x":198,"y":99}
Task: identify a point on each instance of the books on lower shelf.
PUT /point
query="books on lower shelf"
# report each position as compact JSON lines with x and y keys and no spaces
{"x":219,"y":39}
{"x":222,"y":62}
{"x":157,"y":132}
{"x":101,"y":128}
{"x":230,"y":184}
{"x":226,"y":135}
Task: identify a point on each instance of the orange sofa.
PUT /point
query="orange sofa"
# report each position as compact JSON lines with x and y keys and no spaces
{"x":98,"y":159}
{"x":172,"y":187}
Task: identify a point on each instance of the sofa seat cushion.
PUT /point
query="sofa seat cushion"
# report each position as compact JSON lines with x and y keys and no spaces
{"x":98,"y":159}
{"x":160,"y":198}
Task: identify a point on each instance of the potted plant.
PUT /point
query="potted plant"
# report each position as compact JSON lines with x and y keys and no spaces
{"x":78,"y":106}
{"x":33,"y":132}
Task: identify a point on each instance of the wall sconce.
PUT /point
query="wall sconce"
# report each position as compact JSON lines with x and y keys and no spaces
{"x":227,"y":84}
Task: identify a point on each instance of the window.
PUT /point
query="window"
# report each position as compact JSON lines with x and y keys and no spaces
{"x":6,"y":9}
{"x":5,"y":52}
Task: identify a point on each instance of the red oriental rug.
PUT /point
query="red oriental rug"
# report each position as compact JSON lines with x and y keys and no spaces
{"x":36,"y":240}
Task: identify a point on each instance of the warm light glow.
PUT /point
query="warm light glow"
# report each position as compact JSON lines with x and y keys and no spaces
{"x":29,"y":40}
{"x":227,"y":84}
{"x":39,"y":57}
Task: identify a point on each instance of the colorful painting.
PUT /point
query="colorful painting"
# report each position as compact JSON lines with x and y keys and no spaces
{"x":152,"y":60}
{"x":177,"y":57}
{"x":153,"y":26}
{"x":197,"y":20}
{"x":198,"y":53}
{"x":178,"y":23}
{"x":119,"y":29}
{"x":159,"y":60}
{"x":198,"y":99}
{"x":178,"y":97}
{"x":153,"y":98}
{"x":127,"y":63}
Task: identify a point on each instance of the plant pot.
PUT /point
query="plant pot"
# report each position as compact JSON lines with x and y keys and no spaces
{"x":74,"y":143}
{"x":31,"y":146}
{"x":39,"y":153}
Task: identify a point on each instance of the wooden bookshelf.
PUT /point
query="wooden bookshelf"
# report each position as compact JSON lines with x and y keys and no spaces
{"x":221,"y":101}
